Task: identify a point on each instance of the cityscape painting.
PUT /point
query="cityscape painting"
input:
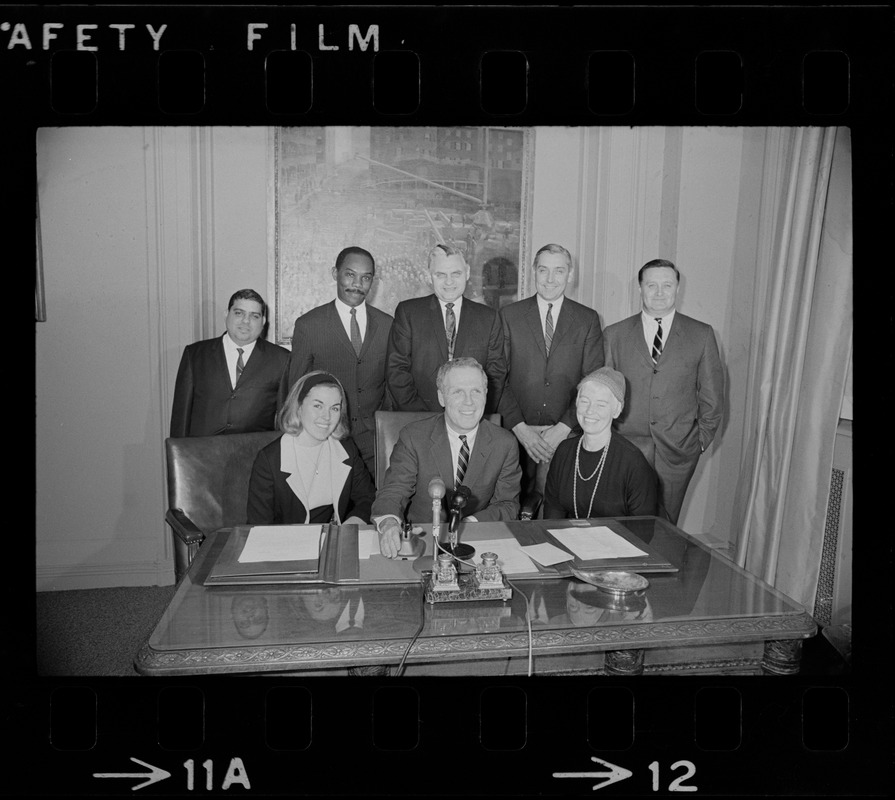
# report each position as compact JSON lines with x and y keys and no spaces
{"x":397,"y":192}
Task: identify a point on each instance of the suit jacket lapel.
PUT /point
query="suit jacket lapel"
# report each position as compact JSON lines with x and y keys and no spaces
{"x":533,"y":318}
{"x":338,"y":329}
{"x":563,"y":323}
{"x":221,"y":371}
{"x":479,"y":455}
{"x":673,"y":339}
{"x":437,"y":321}
{"x":639,"y":337}
{"x":440,"y":450}
{"x":254,"y":364}
{"x":340,"y":470}
{"x":372,"y":325}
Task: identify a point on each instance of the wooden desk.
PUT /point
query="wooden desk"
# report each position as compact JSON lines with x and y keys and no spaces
{"x":709,"y":617}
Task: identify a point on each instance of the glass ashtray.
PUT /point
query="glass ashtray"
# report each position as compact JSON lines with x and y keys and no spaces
{"x":618,"y":583}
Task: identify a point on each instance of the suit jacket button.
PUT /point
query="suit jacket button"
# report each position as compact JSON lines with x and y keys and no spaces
{"x":655,"y":372}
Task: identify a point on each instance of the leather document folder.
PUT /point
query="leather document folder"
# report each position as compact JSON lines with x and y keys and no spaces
{"x":337,"y":561}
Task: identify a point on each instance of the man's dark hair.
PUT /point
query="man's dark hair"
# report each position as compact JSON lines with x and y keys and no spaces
{"x":354,"y":251}
{"x":658,"y":262}
{"x":248,"y":294}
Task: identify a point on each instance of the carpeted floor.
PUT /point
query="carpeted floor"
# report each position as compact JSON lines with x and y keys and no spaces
{"x":96,"y":631}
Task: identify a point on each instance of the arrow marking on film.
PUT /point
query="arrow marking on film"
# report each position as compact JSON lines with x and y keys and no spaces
{"x":615,"y":774}
{"x":153,"y":776}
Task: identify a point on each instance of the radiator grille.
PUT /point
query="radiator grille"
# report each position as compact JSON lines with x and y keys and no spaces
{"x":823,"y":600}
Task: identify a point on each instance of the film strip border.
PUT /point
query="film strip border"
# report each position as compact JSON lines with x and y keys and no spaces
{"x":582,"y":66}
{"x":497,"y":737}
{"x":393,"y":65}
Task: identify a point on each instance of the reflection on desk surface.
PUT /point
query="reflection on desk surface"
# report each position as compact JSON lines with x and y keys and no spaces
{"x":706,"y":587}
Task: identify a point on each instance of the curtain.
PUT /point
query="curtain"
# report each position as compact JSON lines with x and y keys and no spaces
{"x":798,"y":369}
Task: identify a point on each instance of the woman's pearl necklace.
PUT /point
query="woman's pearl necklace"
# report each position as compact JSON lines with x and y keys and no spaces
{"x":598,"y":471}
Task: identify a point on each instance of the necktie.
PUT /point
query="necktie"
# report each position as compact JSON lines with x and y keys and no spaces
{"x":548,"y":328}
{"x":462,"y":461}
{"x":657,"y":341}
{"x":240,"y":364}
{"x":356,"y":342}
{"x":450,"y":328}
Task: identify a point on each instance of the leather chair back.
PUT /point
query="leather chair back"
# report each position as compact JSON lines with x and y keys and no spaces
{"x":388,"y":426}
{"x":208,"y":480}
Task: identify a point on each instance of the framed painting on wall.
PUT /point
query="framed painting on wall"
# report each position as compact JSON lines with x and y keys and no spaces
{"x":397,"y":192}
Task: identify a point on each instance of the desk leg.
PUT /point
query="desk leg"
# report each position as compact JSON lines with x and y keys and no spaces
{"x":624,"y":662}
{"x":782,"y":657}
{"x":372,"y":669}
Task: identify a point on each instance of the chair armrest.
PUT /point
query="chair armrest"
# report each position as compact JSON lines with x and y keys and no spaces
{"x":531,"y":503}
{"x":184,"y":528}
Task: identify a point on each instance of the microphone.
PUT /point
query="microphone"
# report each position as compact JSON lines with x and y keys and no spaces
{"x":436,"y":488}
{"x":458,"y":502}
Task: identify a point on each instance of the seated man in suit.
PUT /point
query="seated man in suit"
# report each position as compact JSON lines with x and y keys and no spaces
{"x":417,"y":348}
{"x":233,"y":383}
{"x":457,"y":446}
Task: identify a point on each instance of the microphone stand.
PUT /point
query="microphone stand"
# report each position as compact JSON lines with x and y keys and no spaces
{"x":437,"y":491}
{"x":457,"y":550}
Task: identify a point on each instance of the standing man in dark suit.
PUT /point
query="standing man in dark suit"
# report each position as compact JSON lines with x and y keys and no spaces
{"x":551,"y":343}
{"x":234,"y":383}
{"x":428,"y":331}
{"x":675,"y":382}
{"x":457,"y":446}
{"x":348,"y":338}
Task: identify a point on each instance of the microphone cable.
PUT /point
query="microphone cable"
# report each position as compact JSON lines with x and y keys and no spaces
{"x":400,"y":670}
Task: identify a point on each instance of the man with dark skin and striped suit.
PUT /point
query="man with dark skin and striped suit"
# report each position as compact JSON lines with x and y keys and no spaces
{"x":348,"y":338}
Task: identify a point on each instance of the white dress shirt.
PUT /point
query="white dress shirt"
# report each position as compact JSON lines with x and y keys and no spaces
{"x":232,"y":356}
{"x":345,"y":315}
{"x":542,"y":310}
{"x":650,"y":326}
{"x":456,"y":444}
{"x":458,"y":304}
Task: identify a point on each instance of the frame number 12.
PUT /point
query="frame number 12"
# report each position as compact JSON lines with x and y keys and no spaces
{"x":677,"y":785}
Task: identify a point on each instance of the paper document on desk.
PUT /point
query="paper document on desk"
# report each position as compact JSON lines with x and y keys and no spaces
{"x":367,"y":544}
{"x":511,"y":557}
{"x":281,"y":543}
{"x":596,"y":542}
{"x":547,"y":554}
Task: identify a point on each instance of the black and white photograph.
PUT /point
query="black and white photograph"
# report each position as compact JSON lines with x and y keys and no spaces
{"x":512,"y":399}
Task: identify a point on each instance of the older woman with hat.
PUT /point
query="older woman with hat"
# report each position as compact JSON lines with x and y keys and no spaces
{"x":600,"y":473}
{"x":313,"y":473}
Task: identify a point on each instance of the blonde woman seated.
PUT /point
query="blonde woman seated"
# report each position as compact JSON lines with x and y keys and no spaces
{"x":600,"y":473}
{"x":313,"y":473}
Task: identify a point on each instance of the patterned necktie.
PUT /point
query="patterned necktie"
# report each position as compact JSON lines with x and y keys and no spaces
{"x":356,"y":342}
{"x":657,"y":341}
{"x":450,"y":328}
{"x":462,"y":461}
{"x":240,"y":364}
{"x":548,"y":328}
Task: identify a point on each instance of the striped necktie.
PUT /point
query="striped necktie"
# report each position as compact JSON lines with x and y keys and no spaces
{"x":450,"y":328}
{"x":657,"y":341}
{"x":240,"y":364}
{"x":356,"y":342}
{"x":548,"y":328}
{"x":462,"y":461}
